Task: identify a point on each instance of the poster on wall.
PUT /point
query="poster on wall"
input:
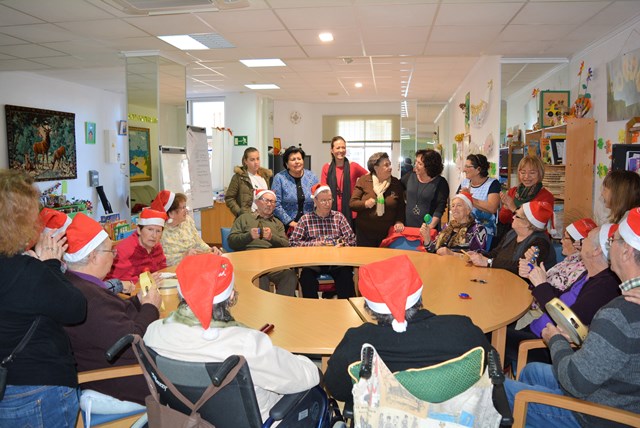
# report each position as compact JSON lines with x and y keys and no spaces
{"x":139,"y":154}
{"x":623,"y":86}
{"x":41,"y":143}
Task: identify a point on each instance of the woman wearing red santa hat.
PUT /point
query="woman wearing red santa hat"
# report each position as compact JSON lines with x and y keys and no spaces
{"x":180,"y":236}
{"x":41,"y":378}
{"x":528,"y":230}
{"x":203,"y":329}
{"x":406,"y":336}
{"x":142,"y":250}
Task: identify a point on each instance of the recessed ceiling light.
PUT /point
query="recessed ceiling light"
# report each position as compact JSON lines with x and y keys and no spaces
{"x":326,"y":37}
{"x":184,"y":42}
{"x":263,"y":86}
{"x":358,"y":85}
{"x":273,"y":62}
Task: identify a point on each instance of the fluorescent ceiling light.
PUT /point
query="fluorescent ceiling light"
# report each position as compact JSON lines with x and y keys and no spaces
{"x":326,"y":37}
{"x":184,"y":42}
{"x":263,"y":86}
{"x":273,"y":62}
{"x":358,"y":85}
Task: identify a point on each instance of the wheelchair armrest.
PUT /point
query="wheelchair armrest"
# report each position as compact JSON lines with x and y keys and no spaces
{"x":499,"y":397}
{"x":117,"y":347}
{"x":226,"y":366}
{"x":347,"y":411}
{"x":285,"y":405}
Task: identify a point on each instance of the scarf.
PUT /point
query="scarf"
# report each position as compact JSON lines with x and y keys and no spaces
{"x":379,"y":187}
{"x":526,"y":194}
{"x":455,"y":234}
{"x":184,"y":315}
{"x":344,"y":190}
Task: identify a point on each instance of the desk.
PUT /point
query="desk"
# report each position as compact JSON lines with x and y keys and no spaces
{"x":312,"y":326}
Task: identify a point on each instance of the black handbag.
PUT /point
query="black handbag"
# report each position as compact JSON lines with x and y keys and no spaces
{"x":3,"y":370}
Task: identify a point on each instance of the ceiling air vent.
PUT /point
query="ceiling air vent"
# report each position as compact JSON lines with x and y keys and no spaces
{"x":158,"y":7}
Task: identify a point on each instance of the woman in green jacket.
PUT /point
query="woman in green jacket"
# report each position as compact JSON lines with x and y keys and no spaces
{"x":247,"y":178}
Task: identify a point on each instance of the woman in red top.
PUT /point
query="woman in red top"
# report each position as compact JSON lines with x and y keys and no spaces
{"x":530,"y":175}
{"x":341,"y":176}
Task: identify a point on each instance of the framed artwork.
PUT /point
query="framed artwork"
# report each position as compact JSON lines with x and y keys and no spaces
{"x":42,"y":143}
{"x":89,"y":133}
{"x":139,"y":154}
{"x":553,"y":107}
{"x":122,"y":127}
{"x":623,"y":86}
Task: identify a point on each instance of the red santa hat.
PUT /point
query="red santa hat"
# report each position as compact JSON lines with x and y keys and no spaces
{"x":261,"y":192}
{"x":204,"y":280}
{"x":388,"y":294}
{"x":466,"y":198}
{"x":606,"y":231}
{"x":163,"y":201}
{"x":54,"y":220}
{"x":84,"y":235}
{"x":317,"y":188}
{"x":151,"y":217}
{"x":579,"y":229}
{"x":630,"y":228}
{"x":538,"y":213}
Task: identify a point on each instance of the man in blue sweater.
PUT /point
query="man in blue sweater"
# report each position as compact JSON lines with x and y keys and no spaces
{"x":605,"y":369}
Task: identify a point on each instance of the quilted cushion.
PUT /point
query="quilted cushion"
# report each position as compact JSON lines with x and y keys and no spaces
{"x":439,"y":382}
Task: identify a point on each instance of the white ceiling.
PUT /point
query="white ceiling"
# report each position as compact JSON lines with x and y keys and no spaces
{"x":427,"y":45}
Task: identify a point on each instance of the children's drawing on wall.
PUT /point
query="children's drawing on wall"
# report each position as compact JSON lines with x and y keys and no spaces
{"x":41,"y":142}
{"x":623,"y":86}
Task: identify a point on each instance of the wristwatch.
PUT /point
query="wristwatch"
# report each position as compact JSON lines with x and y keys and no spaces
{"x":489,"y":262}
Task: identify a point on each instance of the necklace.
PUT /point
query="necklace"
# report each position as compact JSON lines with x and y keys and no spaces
{"x":416,"y":209}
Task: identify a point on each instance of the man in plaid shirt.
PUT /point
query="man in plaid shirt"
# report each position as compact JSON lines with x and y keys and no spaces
{"x":324,"y":227}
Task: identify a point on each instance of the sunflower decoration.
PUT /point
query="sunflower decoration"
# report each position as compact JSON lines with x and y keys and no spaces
{"x":582,"y":105}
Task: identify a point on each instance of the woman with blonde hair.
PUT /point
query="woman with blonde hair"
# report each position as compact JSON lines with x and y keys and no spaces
{"x":530,"y":175}
{"x":41,"y":378}
{"x":620,"y":192}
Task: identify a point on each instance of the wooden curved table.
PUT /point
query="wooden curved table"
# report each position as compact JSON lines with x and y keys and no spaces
{"x":311,"y":326}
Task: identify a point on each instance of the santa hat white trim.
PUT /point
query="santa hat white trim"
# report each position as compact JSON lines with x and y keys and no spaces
{"x":220,"y":297}
{"x":262,"y":192}
{"x":603,"y":236}
{"x":573,"y":232}
{"x":320,"y":189}
{"x":87,"y":249}
{"x":172,"y":197}
{"x":532,"y":218}
{"x":58,"y":230}
{"x":628,"y":234}
{"x":154,"y":221}
{"x":465,"y":198}
{"x":382,"y":308}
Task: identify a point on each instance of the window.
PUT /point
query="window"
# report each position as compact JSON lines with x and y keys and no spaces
{"x":207,"y":114}
{"x":366,"y":137}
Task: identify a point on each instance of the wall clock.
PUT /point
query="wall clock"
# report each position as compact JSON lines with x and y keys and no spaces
{"x":295,"y":117}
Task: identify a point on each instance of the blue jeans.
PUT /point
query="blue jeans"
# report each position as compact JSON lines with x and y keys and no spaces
{"x":540,"y":377}
{"x":39,"y":406}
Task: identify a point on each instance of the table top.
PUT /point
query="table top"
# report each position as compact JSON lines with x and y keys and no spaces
{"x":313,"y":326}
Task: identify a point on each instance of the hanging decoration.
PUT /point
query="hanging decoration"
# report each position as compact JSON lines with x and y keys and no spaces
{"x":142,"y":118}
{"x":534,"y":94}
{"x":478,"y":112}
{"x":487,"y":148}
{"x":582,"y":105}
{"x":218,"y":128}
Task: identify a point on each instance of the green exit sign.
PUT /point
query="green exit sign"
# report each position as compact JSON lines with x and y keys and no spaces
{"x":240,"y":140}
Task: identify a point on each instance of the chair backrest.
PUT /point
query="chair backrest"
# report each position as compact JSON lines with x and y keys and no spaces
{"x":224,"y":233}
{"x":237,"y":399}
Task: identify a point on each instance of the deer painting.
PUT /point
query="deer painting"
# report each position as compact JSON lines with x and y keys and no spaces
{"x":58,"y":155}
{"x":42,"y":147}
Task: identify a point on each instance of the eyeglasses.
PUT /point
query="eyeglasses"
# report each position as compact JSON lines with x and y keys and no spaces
{"x":113,"y":251}
{"x":268,"y":201}
{"x":570,"y":238}
{"x":469,"y":167}
{"x":325,"y":201}
{"x":611,"y":240}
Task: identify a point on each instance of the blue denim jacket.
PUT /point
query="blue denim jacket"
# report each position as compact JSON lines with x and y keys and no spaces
{"x":284,"y":186}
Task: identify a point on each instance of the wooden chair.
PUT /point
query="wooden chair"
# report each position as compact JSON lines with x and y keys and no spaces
{"x":523,"y":398}
{"x":104,"y":374}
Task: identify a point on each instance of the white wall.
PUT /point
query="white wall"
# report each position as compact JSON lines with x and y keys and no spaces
{"x":308,"y":131}
{"x":90,"y":105}
{"x":452,"y":121}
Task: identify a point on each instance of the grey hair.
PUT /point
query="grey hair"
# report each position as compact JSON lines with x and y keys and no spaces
{"x":85,"y":260}
{"x":221,"y":311}
{"x":386,"y":319}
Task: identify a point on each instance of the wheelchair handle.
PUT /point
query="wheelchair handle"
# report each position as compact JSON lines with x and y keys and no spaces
{"x":226,"y":366}
{"x":495,"y":368}
{"x":115,"y":349}
{"x":367,"y":361}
